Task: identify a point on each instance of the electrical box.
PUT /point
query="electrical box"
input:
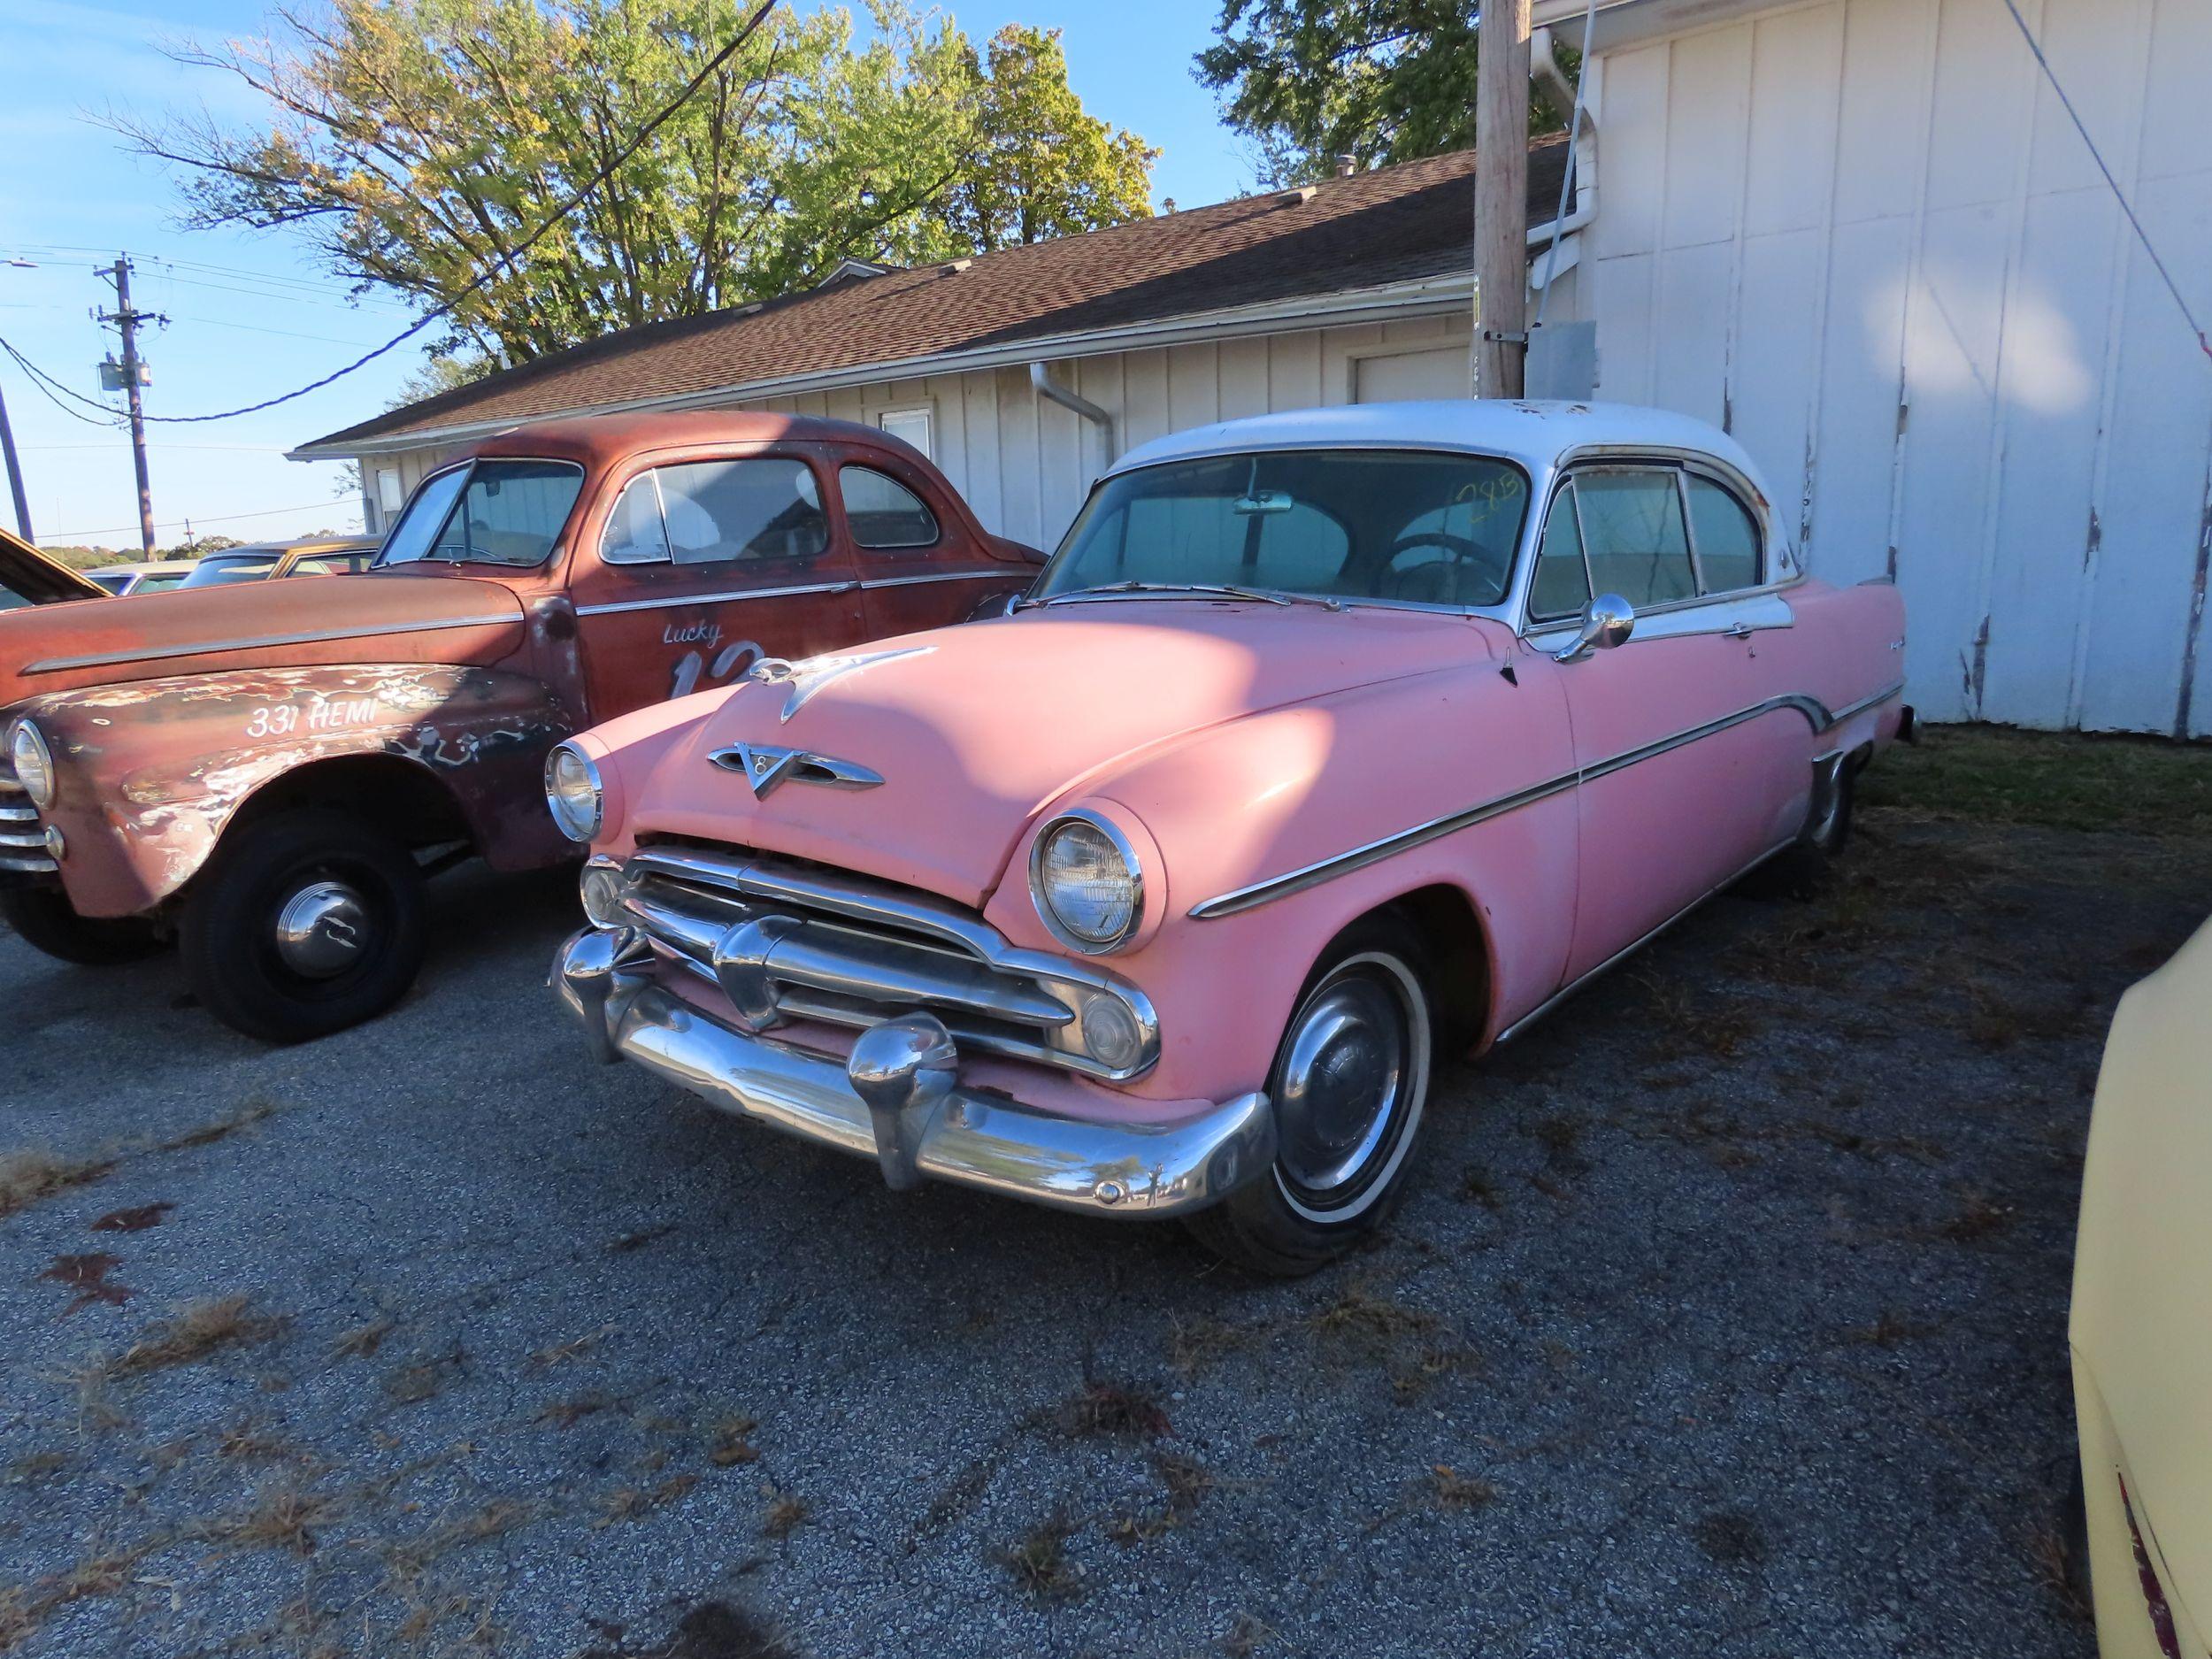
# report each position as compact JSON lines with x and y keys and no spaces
{"x":111,"y":375}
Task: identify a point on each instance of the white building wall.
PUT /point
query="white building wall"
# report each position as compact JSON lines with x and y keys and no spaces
{"x":1864,"y":236}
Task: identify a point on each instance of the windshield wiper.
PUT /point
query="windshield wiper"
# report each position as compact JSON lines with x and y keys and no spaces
{"x":1220,"y":590}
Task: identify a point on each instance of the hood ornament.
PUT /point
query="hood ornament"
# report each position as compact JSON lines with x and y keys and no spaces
{"x":811,"y":674}
{"x":763,"y":766}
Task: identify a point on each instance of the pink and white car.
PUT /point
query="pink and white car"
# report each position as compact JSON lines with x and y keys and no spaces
{"x":1327,"y":744}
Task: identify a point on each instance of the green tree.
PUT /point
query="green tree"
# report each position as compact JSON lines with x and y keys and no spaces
{"x":414,"y":143}
{"x":1379,"y":80}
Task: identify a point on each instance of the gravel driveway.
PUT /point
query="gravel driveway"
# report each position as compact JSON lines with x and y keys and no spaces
{"x":1726,"y":1318}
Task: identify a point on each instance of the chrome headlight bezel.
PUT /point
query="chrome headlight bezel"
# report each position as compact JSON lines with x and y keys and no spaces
{"x":571,"y":822}
{"x":36,"y":777}
{"x":1082,"y":943}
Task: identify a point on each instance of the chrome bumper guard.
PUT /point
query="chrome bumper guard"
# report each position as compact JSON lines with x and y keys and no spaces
{"x":898,"y":1099}
{"x":22,"y":837}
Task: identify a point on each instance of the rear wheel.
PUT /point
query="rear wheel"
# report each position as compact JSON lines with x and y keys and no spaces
{"x":305,"y":923}
{"x":1349,"y":1086}
{"x":1798,"y":869}
{"x":45,"y":919}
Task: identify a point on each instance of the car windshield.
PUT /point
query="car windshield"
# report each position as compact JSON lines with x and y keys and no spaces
{"x":487,"y":512}
{"x":212,"y":573}
{"x":1402,"y":526}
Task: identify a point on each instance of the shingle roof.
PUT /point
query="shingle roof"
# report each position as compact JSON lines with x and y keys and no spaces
{"x":1390,"y":225}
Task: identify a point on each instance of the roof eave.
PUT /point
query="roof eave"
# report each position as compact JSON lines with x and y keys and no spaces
{"x":1444,"y":292}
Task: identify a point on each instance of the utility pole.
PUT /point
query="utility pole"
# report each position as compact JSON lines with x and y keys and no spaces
{"x":15,"y":476}
{"x":127,"y":322}
{"x":1500,"y":345}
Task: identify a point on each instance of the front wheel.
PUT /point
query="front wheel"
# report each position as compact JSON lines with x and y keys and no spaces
{"x":303,"y":923}
{"x":47,"y":922}
{"x":1349,"y":1086}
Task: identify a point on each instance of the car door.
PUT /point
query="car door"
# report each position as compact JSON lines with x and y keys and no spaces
{"x":703,"y":565}
{"x":920,"y":566}
{"x":1672,"y":796}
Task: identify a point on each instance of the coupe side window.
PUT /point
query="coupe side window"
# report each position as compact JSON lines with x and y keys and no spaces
{"x":883,"y":512}
{"x":1563,"y":580}
{"x":1727,"y":537}
{"x":711,"y":512}
{"x":1633,"y":535}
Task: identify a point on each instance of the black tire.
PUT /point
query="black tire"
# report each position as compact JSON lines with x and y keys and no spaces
{"x":42,"y":916}
{"x":1799,"y":869}
{"x":1279,"y":1226}
{"x":228,"y":937}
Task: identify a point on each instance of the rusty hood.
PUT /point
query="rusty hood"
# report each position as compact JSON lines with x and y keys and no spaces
{"x":303,"y":622}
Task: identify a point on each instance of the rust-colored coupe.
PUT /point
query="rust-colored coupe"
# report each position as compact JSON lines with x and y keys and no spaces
{"x":269,"y":772}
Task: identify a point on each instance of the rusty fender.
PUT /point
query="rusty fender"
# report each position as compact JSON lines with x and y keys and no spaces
{"x":149,"y":773}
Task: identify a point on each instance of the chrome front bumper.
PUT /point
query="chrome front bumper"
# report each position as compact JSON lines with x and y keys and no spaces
{"x":898,"y":1099}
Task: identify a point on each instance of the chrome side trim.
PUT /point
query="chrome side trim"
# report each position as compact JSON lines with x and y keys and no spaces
{"x":680,"y":600}
{"x":261,"y":642}
{"x":1815,"y":712}
{"x":948,"y":576}
{"x":1630,"y":950}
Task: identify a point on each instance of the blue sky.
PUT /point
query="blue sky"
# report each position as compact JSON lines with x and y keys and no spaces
{"x":251,"y":319}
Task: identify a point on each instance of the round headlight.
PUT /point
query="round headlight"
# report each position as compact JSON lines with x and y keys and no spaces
{"x":33,"y":763}
{"x":1084,"y":878}
{"x":574,"y":792}
{"x":602,"y":890}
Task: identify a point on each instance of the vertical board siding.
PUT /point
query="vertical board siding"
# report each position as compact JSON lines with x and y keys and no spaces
{"x":1865,"y":233}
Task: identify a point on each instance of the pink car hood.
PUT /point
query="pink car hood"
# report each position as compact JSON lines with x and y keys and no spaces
{"x":976,"y":729}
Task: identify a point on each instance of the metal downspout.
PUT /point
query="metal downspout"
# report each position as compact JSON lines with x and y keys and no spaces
{"x":1041,"y":382}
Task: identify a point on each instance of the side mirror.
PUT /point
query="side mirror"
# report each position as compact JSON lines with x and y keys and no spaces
{"x":1607,"y":621}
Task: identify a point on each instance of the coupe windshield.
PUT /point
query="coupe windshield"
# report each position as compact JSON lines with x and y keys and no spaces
{"x":1415,"y":527}
{"x":489,"y":512}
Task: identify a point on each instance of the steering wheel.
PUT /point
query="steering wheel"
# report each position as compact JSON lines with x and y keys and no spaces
{"x":1465,"y":550}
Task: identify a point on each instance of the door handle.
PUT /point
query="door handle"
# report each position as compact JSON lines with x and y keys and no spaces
{"x":1736,"y":631}
{"x":845,"y":587}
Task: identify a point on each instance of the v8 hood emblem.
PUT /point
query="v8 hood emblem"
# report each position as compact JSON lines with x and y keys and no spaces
{"x":763,"y":766}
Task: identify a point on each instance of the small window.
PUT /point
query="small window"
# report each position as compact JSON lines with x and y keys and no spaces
{"x":883,"y":512}
{"x":1563,"y":580}
{"x":713,"y":513}
{"x":908,"y":425}
{"x":634,"y":534}
{"x":1633,"y":536}
{"x":1727,"y":537}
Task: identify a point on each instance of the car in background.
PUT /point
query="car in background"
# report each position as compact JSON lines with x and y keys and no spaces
{"x":2140,"y":1332}
{"x":123,"y":580}
{"x":28,"y":577}
{"x":271,"y":561}
{"x":269,"y":772}
{"x":1329,"y":743}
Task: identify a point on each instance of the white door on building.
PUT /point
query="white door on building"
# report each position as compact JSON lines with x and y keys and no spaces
{"x":1409,"y":375}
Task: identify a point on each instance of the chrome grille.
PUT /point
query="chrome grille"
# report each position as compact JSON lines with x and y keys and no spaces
{"x":802,"y":941}
{"x":22,"y":837}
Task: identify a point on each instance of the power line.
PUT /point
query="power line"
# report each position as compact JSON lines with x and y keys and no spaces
{"x":2204,"y":344}
{"x":46,"y":386}
{"x":197,"y":518}
{"x":505,"y":261}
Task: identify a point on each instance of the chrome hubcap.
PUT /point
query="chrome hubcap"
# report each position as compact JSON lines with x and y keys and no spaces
{"x":1343,"y":1083}
{"x":322,"y":930}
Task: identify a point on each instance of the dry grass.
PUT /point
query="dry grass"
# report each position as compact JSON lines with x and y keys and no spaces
{"x":1246,"y":1636}
{"x":425,"y":1379}
{"x":1409,"y":1345}
{"x":1201,"y":1342}
{"x":1186,"y":1482}
{"x":731,"y":1442}
{"x":194,"y":1332}
{"x":363,"y":1341}
{"x":564,"y":1414}
{"x":1039,"y":1560}
{"x":407,"y":1559}
{"x":560,"y":1353}
{"x":34,"y":1173}
{"x":1698,"y":1018}
{"x":1449,"y":1489}
{"x":1978,"y":1217}
{"x":251,"y":1112}
{"x":629,"y":1503}
{"x":787,"y":1512}
{"x":282,"y":1516}
{"x":1122,"y":1411}
{"x":1891,"y":1330}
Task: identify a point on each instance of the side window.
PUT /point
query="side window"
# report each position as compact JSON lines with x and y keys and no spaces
{"x":710,"y":513}
{"x":1727,"y":537}
{"x":1633,"y":535}
{"x":634,"y":534}
{"x":883,"y":512}
{"x":765,"y":509}
{"x":1563,"y":580}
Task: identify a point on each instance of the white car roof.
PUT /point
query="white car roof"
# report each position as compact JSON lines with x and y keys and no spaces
{"x":1534,"y":433}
